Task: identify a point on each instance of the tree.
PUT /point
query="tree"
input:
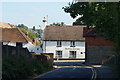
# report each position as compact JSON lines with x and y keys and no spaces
{"x":39,"y":33}
{"x":25,"y":30}
{"x":33,"y":28}
{"x":22,"y":26}
{"x":78,"y":22}
{"x":31,"y":35}
{"x":62,"y":24}
{"x":57,"y":24}
{"x":104,"y":15}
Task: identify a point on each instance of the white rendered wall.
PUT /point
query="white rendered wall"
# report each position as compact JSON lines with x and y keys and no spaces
{"x":51,"y":47}
{"x":13,"y":43}
{"x":31,"y":47}
{"x":10,"y":43}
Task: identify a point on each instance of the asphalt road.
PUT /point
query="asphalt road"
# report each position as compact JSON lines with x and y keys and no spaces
{"x":68,"y":71}
{"x":105,"y":73}
{"x":76,"y":71}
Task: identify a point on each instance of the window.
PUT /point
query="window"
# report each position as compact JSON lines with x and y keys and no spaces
{"x":19,"y":44}
{"x":58,"y":54}
{"x":72,"y":44}
{"x":59,"y":43}
{"x":72,"y":54}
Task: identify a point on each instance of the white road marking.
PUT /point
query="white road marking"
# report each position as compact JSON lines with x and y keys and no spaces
{"x":94,"y":75}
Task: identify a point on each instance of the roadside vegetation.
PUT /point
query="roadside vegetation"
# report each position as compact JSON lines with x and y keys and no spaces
{"x":21,"y":67}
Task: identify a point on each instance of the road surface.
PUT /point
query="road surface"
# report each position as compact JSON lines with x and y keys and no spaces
{"x":76,"y":71}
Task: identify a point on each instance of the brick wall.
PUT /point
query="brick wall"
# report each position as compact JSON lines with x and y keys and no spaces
{"x":98,"y":41}
{"x":98,"y":54}
{"x":98,"y":50}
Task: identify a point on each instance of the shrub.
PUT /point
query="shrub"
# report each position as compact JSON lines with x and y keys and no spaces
{"x":16,"y":67}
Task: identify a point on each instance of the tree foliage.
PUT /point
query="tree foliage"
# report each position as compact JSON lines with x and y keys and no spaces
{"x":78,"y":22}
{"x":57,"y":24}
{"x":31,"y":35}
{"x":33,"y":28}
{"x":39,"y":33}
{"x":104,"y":15}
{"x":22,"y":26}
{"x":23,"y":30}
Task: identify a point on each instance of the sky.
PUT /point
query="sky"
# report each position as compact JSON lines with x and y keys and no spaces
{"x":31,"y":13}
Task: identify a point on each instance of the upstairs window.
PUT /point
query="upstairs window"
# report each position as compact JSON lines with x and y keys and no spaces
{"x":72,"y":44}
{"x":59,"y":43}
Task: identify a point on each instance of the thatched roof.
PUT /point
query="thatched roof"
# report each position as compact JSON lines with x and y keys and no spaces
{"x":13,"y":35}
{"x":64,"y":33}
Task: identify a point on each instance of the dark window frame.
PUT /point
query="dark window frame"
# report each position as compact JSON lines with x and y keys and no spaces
{"x":58,"y":54}
{"x":72,"y":44}
{"x":59,"y":44}
{"x":72,"y":54}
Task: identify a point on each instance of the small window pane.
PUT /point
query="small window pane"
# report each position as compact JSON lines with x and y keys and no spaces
{"x":72,"y":43}
{"x":72,"y":54}
{"x":59,"y":43}
{"x":58,"y":54}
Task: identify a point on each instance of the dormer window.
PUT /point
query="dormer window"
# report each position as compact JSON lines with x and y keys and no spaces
{"x":72,"y":44}
{"x":59,"y":43}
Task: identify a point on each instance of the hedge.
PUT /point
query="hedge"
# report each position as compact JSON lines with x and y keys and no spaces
{"x":20,"y":67}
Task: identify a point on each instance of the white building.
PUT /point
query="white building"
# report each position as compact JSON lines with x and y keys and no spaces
{"x":66,"y":42}
{"x":33,"y":48}
{"x":15,"y":37}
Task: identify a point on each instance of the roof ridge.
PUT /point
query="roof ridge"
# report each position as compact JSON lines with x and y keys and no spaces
{"x":24,"y":35}
{"x":10,"y":25}
{"x":67,"y":26}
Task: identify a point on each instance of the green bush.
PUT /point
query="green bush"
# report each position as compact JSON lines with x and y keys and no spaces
{"x":16,"y":67}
